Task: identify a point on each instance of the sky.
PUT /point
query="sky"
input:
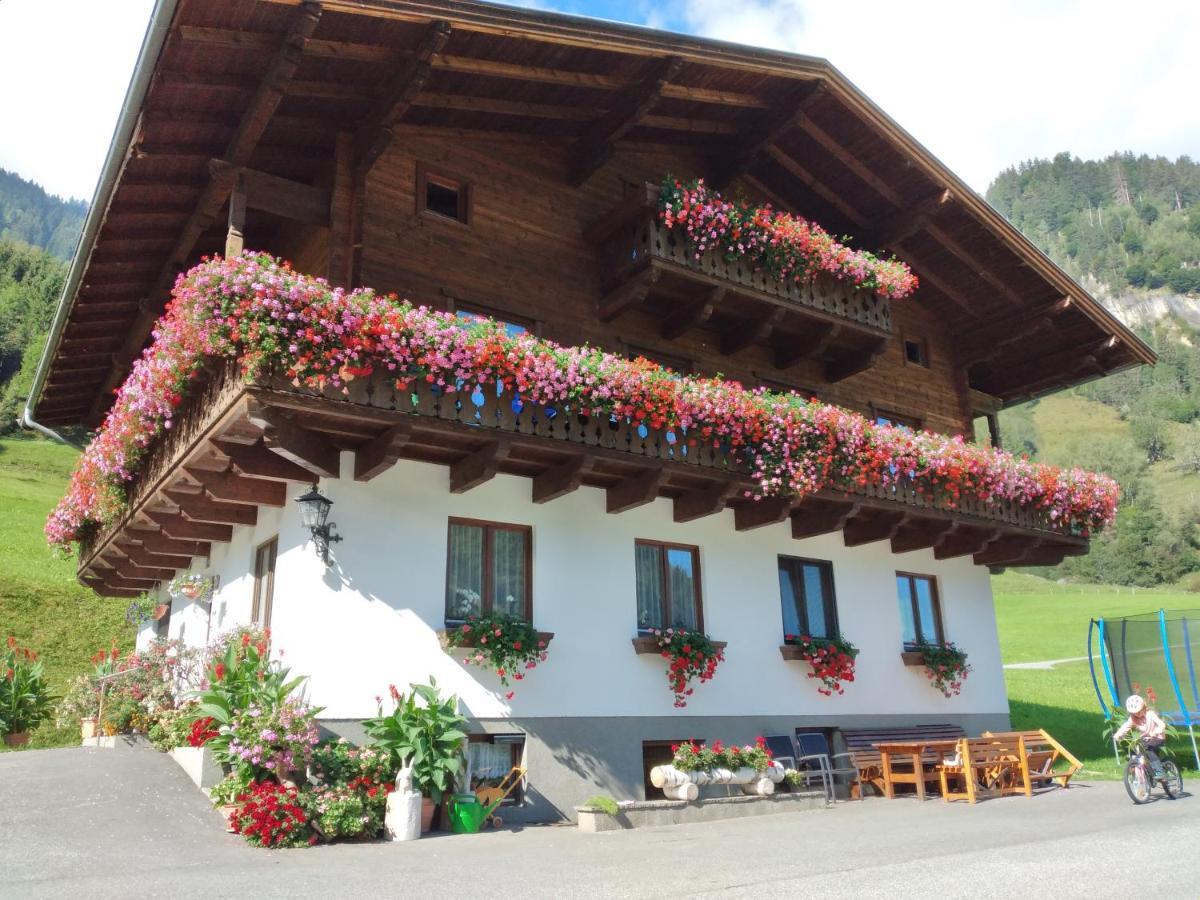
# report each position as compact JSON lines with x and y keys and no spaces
{"x":983,"y":85}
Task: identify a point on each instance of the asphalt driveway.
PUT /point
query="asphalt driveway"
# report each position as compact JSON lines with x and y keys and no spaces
{"x":122,"y":823}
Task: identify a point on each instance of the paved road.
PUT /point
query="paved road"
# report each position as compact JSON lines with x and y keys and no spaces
{"x":121,"y":823}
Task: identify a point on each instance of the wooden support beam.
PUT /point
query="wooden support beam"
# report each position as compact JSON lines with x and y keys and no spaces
{"x":560,"y":480}
{"x":479,"y":466}
{"x":771,"y":126}
{"x":1006,"y":550}
{"x":256,"y":461}
{"x":980,"y":267}
{"x":306,"y":449}
{"x":157,"y":542}
{"x":794,"y":168}
{"x":382,"y":452}
{"x":396,"y":95}
{"x":876,"y":526}
{"x":1043,"y":555}
{"x":340,"y":212}
{"x":591,"y":150}
{"x":136,"y":586}
{"x":706,"y":501}
{"x":255,"y":118}
{"x":628,"y":294}
{"x":820,"y":517}
{"x":693,"y":315}
{"x":201,"y":509}
{"x":176,"y":526}
{"x":235,"y":233}
{"x":240,"y":489}
{"x":765,"y":511}
{"x":285,"y":198}
{"x":854,"y":362}
{"x":1000,"y":342}
{"x":909,"y":220}
{"x":150,"y":560}
{"x":1021,"y":373}
{"x":102,"y":588}
{"x":755,"y":331}
{"x":635,"y":490}
{"x":986,"y":332}
{"x":130,"y":571}
{"x":920,"y":535}
{"x":963,"y":541}
{"x":813,"y":344}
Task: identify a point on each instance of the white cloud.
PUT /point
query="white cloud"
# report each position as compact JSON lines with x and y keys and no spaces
{"x":64,"y":67}
{"x":985,"y":86}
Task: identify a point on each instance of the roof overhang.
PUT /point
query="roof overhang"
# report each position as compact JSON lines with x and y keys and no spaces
{"x":269,"y":84}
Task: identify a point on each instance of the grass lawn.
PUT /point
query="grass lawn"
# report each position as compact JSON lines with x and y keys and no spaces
{"x":40,"y":601}
{"x":1041,"y":620}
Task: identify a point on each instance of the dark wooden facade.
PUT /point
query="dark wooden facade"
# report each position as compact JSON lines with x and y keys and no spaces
{"x":309,"y":130}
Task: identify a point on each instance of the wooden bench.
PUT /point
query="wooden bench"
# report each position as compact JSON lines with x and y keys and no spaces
{"x":860,"y":742}
{"x":994,"y":765}
{"x":1042,"y":753}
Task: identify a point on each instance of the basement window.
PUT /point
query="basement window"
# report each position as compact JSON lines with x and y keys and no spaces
{"x":443,"y":196}
{"x":491,"y":757}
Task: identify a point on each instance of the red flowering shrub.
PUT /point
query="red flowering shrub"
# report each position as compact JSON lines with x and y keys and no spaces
{"x":256,"y":310}
{"x":689,"y":654}
{"x":789,"y":247}
{"x":831,"y":660}
{"x":693,"y":757}
{"x":270,"y":815}
{"x":201,"y":732}
{"x":504,"y":643}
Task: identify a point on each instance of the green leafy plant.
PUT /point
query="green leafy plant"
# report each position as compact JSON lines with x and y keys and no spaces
{"x":340,"y":762}
{"x":25,"y":698}
{"x":945,"y":666}
{"x":507,"y":644}
{"x":603,"y":804}
{"x":1117,"y":715}
{"x":226,"y":791}
{"x":81,"y":701}
{"x":424,"y":730}
{"x":353,"y":810}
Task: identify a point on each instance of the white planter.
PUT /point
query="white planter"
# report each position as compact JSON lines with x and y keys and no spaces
{"x":199,"y":765}
{"x":678,"y":785}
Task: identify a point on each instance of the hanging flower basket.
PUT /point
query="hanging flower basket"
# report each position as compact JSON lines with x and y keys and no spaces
{"x":191,"y":587}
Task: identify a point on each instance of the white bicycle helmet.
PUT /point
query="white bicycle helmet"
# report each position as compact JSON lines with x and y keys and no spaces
{"x":1135,"y":704}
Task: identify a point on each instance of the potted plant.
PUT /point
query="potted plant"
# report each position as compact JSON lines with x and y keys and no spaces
{"x":425,"y":731}
{"x":81,"y":704}
{"x":829,"y":659}
{"x":689,"y":654}
{"x":191,"y":586}
{"x":508,"y":645}
{"x":945,"y":665}
{"x":25,"y":699}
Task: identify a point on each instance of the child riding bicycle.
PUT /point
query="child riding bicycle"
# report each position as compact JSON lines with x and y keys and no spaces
{"x":1151,"y":727}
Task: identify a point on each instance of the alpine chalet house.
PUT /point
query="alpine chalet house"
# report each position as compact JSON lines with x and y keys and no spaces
{"x":694,"y":409}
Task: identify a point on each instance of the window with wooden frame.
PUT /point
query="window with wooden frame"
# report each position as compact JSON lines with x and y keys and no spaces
{"x":916,"y":352}
{"x":668,"y":586}
{"x":677,"y":364}
{"x":920,"y":609}
{"x":881,"y":416}
{"x":264,"y":583}
{"x":444,"y":196}
{"x":806,"y":595}
{"x":513,"y":325}
{"x":489,"y":569}
{"x":490,"y":757}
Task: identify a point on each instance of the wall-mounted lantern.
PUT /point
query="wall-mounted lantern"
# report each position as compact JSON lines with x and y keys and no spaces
{"x":314,"y":510}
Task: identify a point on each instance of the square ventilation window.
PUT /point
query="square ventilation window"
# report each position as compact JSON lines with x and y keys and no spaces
{"x":916,"y":353}
{"x":449,"y":198}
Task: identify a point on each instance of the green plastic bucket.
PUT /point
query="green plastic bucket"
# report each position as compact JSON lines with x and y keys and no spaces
{"x":466,"y":815}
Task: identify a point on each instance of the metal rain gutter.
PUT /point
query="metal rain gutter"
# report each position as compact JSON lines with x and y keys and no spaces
{"x":135,"y":95}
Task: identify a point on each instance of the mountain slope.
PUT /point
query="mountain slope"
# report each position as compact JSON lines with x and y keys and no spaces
{"x":29,"y":215}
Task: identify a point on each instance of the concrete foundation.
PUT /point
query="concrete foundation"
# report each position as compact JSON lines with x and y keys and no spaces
{"x":647,"y":813}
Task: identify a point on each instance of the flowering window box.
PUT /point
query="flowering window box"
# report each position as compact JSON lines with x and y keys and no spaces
{"x":912,"y":658}
{"x":471,"y":640}
{"x":648,"y":645}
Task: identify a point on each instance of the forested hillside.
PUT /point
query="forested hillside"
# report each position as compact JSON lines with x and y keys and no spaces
{"x":29,"y":215}
{"x":1125,"y":220}
{"x":30,"y":283}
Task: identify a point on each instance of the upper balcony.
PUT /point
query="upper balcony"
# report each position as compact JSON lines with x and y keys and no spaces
{"x":646,"y":265}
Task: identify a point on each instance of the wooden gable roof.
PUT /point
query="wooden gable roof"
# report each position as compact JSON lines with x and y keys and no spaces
{"x":269,"y":84}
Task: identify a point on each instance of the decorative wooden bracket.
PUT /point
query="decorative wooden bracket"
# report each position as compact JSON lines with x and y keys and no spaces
{"x":706,"y":501}
{"x":562,"y":479}
{"x":636,"y":490}
{"x":176,"y":526}
{"x":815,"y":343}
{"x":766,"y":511}
{"x":631,"y":293}
{"x":239,"y":489}
{"x":382,"y":452}
{"x":772,"y":125}
{"x":306,"y":449}
{"x":855,"y":361}
{"x":878,"y":526}
{"x":756,"y":331}
{"x":692,"y":316}
{"x":820,"y":517}
{"x":201,"y":509}
{"x":480,"y":466}
{"x":920,"y":535}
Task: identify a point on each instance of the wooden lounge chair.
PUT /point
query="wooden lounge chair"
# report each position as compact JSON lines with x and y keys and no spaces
{"x":1042,"y":754}
{"x":991,"y":766}
{"x":860,"y":742}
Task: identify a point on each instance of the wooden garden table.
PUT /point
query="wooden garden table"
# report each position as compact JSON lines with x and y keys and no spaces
{"x":911,"y":752}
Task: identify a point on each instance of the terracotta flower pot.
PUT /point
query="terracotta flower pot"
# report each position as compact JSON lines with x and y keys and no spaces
{"x":89,"y":727}
{"x":192,"y":591}
{"x":159,"y":611}
{"x":427,"y":809}
{"x":17,"y":739}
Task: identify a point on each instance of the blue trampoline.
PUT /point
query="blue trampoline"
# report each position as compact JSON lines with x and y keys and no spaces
{"x":1150,"y":650}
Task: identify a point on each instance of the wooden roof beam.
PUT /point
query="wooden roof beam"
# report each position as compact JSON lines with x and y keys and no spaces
{"x":148,"y":558}
{"x":396,"y":96}
{"x":239,"y":489}
{"x":158,"y":542}
{"x":978,"y":266}
{"x":771,"y":126}
{"x":920,"y":534}
{"x":201,"y":509}
{"x":256,"y":461}
{"x":307,"y":449}
{"x":222,"y":178}
{"x":176,"y":526}
{"x":595,"y":146}
{"x":909,"y":220}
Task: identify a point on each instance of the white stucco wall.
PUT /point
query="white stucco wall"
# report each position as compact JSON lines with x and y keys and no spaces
{"x":370,"y":619}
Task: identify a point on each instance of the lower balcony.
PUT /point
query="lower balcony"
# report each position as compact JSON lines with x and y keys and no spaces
{"x":235,"y":445}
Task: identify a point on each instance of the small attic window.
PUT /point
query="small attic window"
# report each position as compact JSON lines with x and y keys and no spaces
{"x":916,"y":352}
{"x":443,"y":196}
